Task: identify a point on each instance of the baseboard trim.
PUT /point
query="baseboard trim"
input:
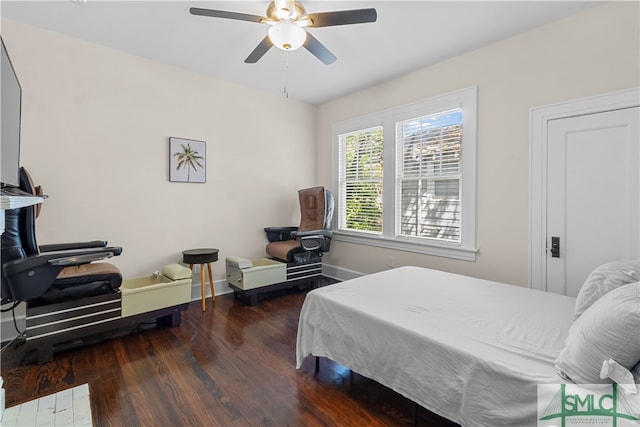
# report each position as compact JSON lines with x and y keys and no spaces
{"x":339,"y":273}
{"x":221,"y":287}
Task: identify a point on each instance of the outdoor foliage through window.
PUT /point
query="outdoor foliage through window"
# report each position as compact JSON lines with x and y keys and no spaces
{"x":361,"y":180}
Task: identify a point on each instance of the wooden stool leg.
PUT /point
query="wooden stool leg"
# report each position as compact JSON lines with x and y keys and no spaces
{"x":204,"y":302}
{"x":213,"y":296}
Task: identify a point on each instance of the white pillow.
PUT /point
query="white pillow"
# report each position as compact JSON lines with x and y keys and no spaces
{"x":609,"y":329}
{"x":603,"y":279}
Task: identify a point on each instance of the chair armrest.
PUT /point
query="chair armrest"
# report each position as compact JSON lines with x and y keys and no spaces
{"x":313,"y":233}
{"x":314,"y":239}
{"x":80,"y":259}
{"x":29,"y":277}
{"x":75,"y":245}
{"x":279,"y":234}
{"x":21,"y":265}
{"x":81,"y":247}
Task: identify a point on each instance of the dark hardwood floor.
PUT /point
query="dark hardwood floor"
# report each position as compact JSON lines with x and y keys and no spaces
{"x":233,"y":365}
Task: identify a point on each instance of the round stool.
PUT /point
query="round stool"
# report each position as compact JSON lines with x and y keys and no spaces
{"x":202,"y":257}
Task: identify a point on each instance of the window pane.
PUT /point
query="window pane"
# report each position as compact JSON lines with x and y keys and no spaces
{"x":431,"y":209}
{"x":364,"y":206}
{"x":429,"y":175}
{"x":431,"y":144}
{"x":361,"y":180}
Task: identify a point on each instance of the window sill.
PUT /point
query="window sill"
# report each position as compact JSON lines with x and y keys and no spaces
{"x":455,"y":252}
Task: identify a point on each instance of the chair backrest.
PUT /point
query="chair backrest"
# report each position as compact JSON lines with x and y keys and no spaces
{"x":316,"y":208}
{"x":29,"y":214}
{"x":19,"y":238}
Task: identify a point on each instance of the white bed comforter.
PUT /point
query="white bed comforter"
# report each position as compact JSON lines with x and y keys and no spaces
{"x":470,"y":350}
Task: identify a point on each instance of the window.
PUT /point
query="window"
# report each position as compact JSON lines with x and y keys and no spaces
{"x":361,"y":180}
{"x":406,"y":177}
{"x":428,"y":184}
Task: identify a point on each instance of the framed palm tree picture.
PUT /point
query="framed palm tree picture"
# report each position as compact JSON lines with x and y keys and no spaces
{"x":187,"y":160}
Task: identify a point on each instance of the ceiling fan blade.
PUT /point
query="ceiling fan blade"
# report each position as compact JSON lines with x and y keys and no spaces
{"x":342,"y":17}
{"x":227,"y":15}
{"x":318,"y":50}
{"x":262,"y":48}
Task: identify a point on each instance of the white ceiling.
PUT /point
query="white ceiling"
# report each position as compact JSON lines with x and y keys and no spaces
{"x":408,"y":35}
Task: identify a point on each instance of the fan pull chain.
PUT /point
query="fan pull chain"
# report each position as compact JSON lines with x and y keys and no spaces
{"x":286,"y":74}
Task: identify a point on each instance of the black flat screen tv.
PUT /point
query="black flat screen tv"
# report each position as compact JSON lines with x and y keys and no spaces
{"x":10,"y":116}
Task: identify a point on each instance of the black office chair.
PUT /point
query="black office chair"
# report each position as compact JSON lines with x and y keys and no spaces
{"x":51,"y":273}
{"x":312,"y":238}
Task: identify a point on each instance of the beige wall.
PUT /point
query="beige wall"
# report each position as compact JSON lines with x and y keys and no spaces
{"x":593,"y":52}
{"x":95,"y":131}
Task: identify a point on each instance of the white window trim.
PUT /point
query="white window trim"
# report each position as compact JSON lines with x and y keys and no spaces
{"x":466,"y":99}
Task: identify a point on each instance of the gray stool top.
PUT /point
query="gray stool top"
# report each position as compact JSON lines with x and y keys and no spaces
{"x":200,"y":256}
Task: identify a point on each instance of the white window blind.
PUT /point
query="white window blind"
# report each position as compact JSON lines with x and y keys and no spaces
{"x":360,"y":180}
{"x":428,"y":171}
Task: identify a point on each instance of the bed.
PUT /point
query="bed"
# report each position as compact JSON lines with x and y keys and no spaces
{"x":470,"y":350}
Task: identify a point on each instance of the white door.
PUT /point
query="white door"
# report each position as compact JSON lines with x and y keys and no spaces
{"x":592,"y":195}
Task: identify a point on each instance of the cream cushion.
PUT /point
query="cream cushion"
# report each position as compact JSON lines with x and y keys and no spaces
{"x":603,"y":279}
{"x":608,"y":329}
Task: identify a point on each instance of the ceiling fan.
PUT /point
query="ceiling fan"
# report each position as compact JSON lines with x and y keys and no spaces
{"x":287,"y":20}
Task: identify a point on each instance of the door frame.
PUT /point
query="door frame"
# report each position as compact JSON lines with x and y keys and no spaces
{"x":538,"y":140}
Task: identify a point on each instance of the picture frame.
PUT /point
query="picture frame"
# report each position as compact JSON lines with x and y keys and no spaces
{"x":187,"y":160}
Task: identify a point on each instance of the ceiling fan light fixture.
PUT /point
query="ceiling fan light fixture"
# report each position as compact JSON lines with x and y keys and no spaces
{"x":287,"y":35}
{"x":287,"y":20}
{"x":285,"y":9}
